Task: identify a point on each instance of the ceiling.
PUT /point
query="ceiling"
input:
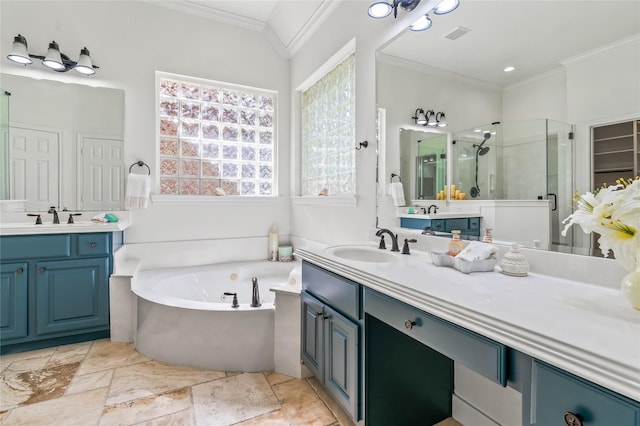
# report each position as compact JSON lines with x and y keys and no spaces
{"x":287,"y":23}
{"x":533,"y":36}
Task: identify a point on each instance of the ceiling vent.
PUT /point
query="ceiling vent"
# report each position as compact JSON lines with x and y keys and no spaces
{"x":456,"y":33}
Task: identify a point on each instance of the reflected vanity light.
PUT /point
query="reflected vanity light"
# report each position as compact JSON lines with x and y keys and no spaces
{"x":430,"y":118}
{"x":446,"y":6}
{"x":54,"y":60}
{"x":383,"y":8}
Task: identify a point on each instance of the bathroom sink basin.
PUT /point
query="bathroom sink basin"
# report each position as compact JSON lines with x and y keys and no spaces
{"x":362,"y":254}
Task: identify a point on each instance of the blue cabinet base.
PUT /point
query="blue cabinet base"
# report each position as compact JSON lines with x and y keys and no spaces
{"x":57,"y":341}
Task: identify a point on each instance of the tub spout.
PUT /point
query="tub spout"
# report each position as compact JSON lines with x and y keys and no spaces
{"x":235,"y":303}
{"x":255,"y":300}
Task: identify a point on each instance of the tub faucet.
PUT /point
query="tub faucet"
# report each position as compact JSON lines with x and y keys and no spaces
{"x":234,"y":303}
{"x":394,"y":238}
{"x":255,"y":300}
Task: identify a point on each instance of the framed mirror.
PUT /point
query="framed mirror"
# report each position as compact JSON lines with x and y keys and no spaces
{"x":575,"y":67}
{"x":64,"y":145}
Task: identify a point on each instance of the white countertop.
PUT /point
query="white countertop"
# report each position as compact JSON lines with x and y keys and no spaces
{"x":61,"y":228}
{"x":439,"y":215}
{"x":588,"y":330}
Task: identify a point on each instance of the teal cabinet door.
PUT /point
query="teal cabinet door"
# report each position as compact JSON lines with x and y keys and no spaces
{"x":560,"y":398}
{"x":312,"y":335}
{"x":341,"y":366}
{"x":13,"y":301}
{"x":72,"y":295}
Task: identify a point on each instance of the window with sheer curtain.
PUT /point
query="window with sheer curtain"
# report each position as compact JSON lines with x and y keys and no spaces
{"x":215,"y":138}
{"x":328,"y":133}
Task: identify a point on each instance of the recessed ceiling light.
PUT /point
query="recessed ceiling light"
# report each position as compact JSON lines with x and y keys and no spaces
{"x":477,"y":130}
{"x":509,"y":68}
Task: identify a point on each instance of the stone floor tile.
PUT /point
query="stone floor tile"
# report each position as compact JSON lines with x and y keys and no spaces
{"x":69,"y":354}
{"x":147,"y":409}
{"x":30,"y":387}
{"x":182,"y":418}
{"x":104,"y":355}
{"x":85,"y":382}
{"x":277,"y":378}
{"x":74,"y":410}
{"x":152,"y":378}
{"x":233,"y":399}
{"x":301,"y":404}
{"x":337,"y":411}
{"x":27,"y":361}
{"x":275,"y":418}
{"x":448,"y":422}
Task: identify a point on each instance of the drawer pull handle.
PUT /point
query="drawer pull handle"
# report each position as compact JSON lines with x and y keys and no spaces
{"x":408,"y":324}
{"x":92,"y":245}
{"x":41,"y":270}
{"x":322,"y":315}
{"x":19,"y":271}
{"x":572,"y":419}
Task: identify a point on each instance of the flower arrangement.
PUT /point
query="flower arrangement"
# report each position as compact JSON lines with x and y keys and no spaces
{"x":614,"y":213}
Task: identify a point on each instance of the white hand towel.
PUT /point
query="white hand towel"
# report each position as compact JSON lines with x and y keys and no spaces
{"x":138,"y":190}
{"x":397,"y":193}
{"x":477,"y":251}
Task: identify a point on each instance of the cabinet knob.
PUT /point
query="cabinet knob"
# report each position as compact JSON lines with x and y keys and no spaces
{"x":19,"y":271}
{"x":92,"y":245}
{"x":41,"y":269}
{"x":408,"y":324}
{"x":572,"y":419}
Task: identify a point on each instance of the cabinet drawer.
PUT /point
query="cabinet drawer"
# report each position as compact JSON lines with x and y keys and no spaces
{"x":341,"y":293}
{"x":461,"y":223}
{"x":93,"y":244}
{"x":19,"y":247}
{"x":477,"y":352}
{"x":474,"y":223}
{"x":556,"y":392}
{"x":438,"y":225}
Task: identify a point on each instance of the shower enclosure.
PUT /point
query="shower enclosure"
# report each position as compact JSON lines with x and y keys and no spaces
{"x":521,"y":160}
{"x":4,"y":145}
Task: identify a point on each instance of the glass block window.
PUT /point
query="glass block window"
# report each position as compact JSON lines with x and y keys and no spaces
{"x":215,"y":135}
{"x":328,"y":132}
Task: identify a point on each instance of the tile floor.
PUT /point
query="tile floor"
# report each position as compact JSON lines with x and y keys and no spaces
{"x":105,"y":383}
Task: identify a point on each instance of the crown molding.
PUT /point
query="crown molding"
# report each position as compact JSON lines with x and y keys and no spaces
{"x":602,"y":49}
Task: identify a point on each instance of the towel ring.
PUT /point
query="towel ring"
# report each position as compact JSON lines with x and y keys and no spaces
{"x":140,"y":164}
{"x":395,"y":175}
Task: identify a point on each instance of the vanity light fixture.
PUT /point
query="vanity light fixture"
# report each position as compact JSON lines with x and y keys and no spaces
{"x":54,"y":60}
{"x":446,"y":6}
{"x":382,"y":9}
{"x":422,"y":23}
{"x":430,"y":118}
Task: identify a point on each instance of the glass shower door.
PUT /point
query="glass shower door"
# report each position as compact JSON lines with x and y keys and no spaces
{"x":560,"y":180}
{"x":4,"y":145}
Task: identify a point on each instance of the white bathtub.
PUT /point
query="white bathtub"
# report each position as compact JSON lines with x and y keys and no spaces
{"x":183,"y":317}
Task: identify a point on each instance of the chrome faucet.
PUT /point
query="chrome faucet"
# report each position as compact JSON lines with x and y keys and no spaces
{"x":56,"y":219}
{"x":255,"y":299}
{"x":428,"y":231}
{"x":394,"y":238}
{"x":435,"y":209}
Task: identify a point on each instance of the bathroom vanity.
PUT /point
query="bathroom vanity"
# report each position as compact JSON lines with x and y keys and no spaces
{"x":415,"y":321}
{"x":54,"y":287}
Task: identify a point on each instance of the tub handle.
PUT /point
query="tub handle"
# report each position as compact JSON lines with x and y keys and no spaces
{"x":234,"y":304}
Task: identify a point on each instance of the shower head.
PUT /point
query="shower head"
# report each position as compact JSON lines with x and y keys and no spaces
{"x":487,"y":136}
{"x":483,"y":151}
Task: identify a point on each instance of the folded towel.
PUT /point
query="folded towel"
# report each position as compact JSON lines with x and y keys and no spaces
{"x":397,"y":193}
{"x":99,"y":218}
{"x":138,"y":190}
{"x":477,"y":251}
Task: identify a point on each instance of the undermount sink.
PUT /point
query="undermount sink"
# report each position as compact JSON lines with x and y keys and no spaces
{"x":362,"y":254}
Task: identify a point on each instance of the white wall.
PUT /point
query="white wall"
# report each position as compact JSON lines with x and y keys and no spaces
{"x":130,"y":40}
{"x":544,"y":96}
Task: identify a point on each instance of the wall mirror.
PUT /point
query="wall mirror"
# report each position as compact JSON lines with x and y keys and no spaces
{"x":64,"y":145}
{"x":457,"y":66}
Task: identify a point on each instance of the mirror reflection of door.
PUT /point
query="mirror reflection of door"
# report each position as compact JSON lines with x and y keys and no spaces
{"x":33,"y":169}
{"x":101,"y":172}
{"x":423,"y":163}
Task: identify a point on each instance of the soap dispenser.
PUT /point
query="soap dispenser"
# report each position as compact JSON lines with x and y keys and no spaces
{"x":455,"y":245}
{"x":514,"y":263}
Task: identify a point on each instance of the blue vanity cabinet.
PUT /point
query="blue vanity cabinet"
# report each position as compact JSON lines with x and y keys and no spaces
{"x":13,"y":300}
{"x":559,"y":398}
{"x":331,"y":333}
{"x":469,"y":226}
{"x":55,"y":289}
